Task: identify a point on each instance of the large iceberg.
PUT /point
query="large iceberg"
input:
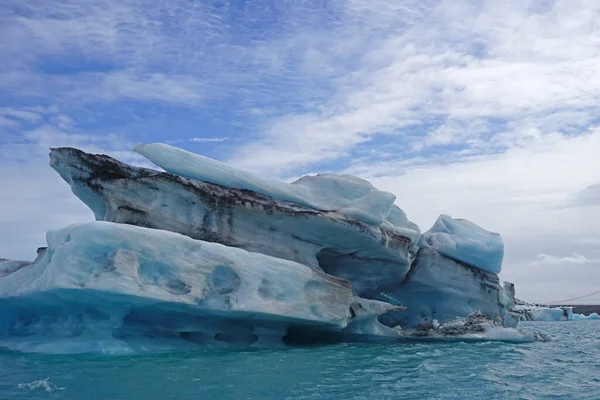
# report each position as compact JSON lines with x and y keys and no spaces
{"x":121,"y":283}
{"x":206,"y":254}
{"x":238,"y":217}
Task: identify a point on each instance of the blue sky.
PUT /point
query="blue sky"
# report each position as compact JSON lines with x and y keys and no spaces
{"x":482,"y":110}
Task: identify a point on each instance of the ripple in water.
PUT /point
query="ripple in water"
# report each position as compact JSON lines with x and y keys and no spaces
{"x":567,"y":368}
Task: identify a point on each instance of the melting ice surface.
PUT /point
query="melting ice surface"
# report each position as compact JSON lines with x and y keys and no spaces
{"x":206,"y":255}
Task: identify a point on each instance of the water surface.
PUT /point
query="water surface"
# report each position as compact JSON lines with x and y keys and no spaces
{"x":567,"y":368}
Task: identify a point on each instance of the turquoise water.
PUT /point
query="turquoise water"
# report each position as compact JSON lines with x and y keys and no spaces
{"x":567,"y":368}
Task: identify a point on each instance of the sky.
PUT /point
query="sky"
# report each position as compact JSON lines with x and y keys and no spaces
{"x":482,"y":110}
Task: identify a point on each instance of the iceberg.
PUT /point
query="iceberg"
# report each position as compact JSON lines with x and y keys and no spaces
{"x":120,"y":193}
{"x":542,"y":313}
{"x":475,"y":327}
{"x":204,"y":254}
{"x":582,"y":317}
{"x":466,"y":242}
{"x":531,"y":312}
{"x":121,"y":278}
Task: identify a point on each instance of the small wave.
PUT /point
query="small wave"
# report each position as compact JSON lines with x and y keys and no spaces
{"x":427,"y":367}
{"x":43,"y":384}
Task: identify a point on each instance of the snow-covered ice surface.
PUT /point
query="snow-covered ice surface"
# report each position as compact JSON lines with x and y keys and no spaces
{"x":208,"y":255}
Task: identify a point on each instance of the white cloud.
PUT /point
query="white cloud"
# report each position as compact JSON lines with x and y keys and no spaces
{"x":103,"y":51}
{"x":590,"y":240}
{"x":7,"y":122}
{"x":207,"y":139}
{"x":113,"y":86}
{"x":462,"y":71}
{"x":180,"y":89}
{"x":556,"y":281}
{"x":575,"y":258}
{"x":113,"y":50}
{"x":28,"y":115}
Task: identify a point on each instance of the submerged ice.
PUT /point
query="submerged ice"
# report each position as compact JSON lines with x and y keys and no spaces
{"x":206,"y":254}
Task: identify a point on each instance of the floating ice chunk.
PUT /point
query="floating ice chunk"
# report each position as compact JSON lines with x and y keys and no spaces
{"x":171,"y":267}
{"x":100,"y":281}
{"x":541,"y":313}
{"x":582,"y":317}
{"x":464,"y":241}
{"x":347,"y":194}
{"x":476,"y":327}
{"x":530,"y":312}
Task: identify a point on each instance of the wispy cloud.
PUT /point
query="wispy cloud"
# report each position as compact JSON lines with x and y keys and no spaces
{"x":573,"y":259}
{"x":28,"y":115}
{"x":160,"y":51}
{"x":450,"y":75}
{"x":208,"y":139}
